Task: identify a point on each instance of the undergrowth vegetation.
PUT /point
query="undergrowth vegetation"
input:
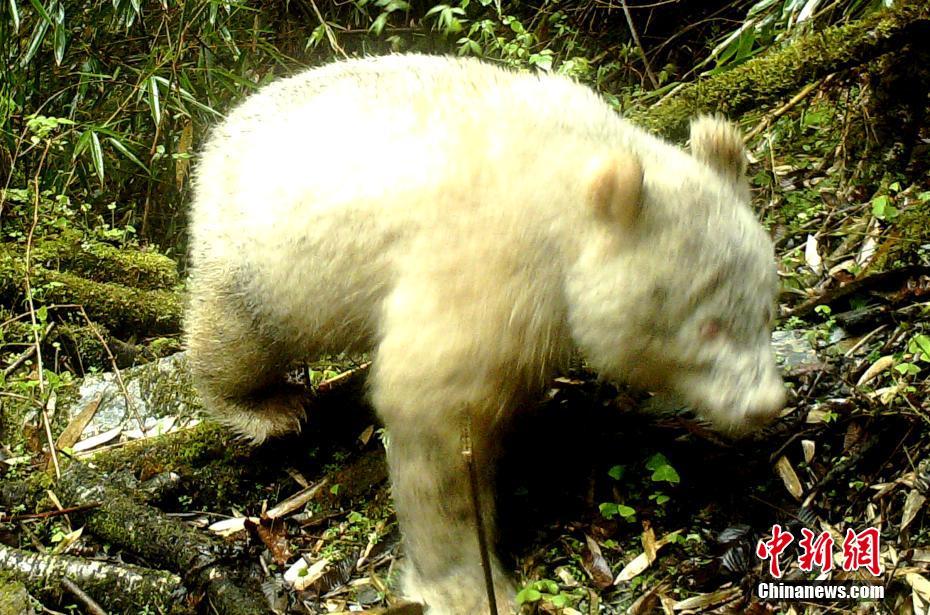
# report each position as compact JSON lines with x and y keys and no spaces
{"x":104,"y":103}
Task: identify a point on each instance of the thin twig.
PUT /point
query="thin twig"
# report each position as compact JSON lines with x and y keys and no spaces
{"x":467,"y":454}
{"x":89,"y":603}
{"x":49,"y":513}
{"x":768,"y":119}
{"x":639,"y":46}
{"x":12,"y":367}
{"x":32,"y":312}
{"x":116,"y":371}
{"x":52,"y":449}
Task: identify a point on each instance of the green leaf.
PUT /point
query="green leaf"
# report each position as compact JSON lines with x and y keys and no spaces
{"x":667,"y":474}
{"x":616,"y":472}
{"x":60,"y":39}
{"x":882,"y":208}
{"x":40,"y":9}
{"x":154,"y":101}
{"x":96,"y":155}
{"x":528,"y":594}
{"x":14,"y":13}
{"x":662,"y":470}
{"x":657,"y":461}
{"x":377,"y":26}
{"x":81,"y":144}
{"x":38,"y":34}
{"x":920,"y":343}
{"x":626,"y":512}
{"x":907,"y":369}
{"x":548,"y":586}
{"x":608,"y":510}
{"x":121,"y":148}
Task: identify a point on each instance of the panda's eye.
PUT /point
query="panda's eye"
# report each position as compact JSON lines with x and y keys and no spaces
{"x":711,"y":329}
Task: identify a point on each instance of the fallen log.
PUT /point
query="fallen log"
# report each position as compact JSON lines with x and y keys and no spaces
{"x":124,"y":310}
{"x":203,"y":562}
{"x":118,"y":587}
{"x":782,"y":71}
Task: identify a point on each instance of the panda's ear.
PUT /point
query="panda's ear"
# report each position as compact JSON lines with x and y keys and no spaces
{"x":719,"y":143}
{"x":615,"y":187}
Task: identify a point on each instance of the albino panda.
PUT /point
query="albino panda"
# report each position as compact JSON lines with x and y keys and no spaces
{"x":472,"y":227}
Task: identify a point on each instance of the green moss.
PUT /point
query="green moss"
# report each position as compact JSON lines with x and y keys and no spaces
{"x":909,"y":236}
{"x":102,"y":262}
{"x":120,"y":308}
{"x":773,"y":75}
{"x":14,"y":599}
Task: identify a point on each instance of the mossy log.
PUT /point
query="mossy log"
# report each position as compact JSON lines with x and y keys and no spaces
{"x":72,"y":251}
{"x":198,"y":557}
{"x":121,"y":588}
{"x":124,"y":310}
{"x":14,"y":599}
{"x":783,"y":70}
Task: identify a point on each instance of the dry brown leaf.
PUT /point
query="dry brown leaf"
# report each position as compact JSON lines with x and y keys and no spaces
{"x":919,"y":584}
{"x":647,"y":601}
{"x":182,"y":162}
{"x":809,"y":447}
{"x":95,"y":441}
{"x":789,"y":477}
{"x":366,"y":434}
{"x":812,"y":256}
{"x":75,"y":428}
{"x":274,"y":536}
{"x":816,"y":415}
{"x":302,"y":575}
{"x":228,"y":527}
{"x":595,"y":564}
{"x":913,"y":504}
{"x":882,"y":364}
{"x":703,"y":601}
{"x":854,"y":436}
{"x":639,"y":563}
{"x":298,"y":500}
{"x":649,"y":542}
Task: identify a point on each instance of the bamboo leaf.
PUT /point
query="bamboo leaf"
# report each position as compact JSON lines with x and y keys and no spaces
{"x":96,"y":155}
{"x":80,"y":145}
{"x":37,"y":35}
{"x":14,"y":12}
{"x":125,"y":151}
{"x":60,"y":39}
{"x":154,"y":102}
{"x":41,"y":11}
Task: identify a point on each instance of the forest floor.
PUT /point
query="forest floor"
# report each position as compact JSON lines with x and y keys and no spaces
{"x":616,"y":502}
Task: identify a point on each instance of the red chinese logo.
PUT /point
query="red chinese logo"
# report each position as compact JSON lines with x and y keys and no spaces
{"x":771,"y":549}
{"x":860,"y":550}
{"x":815,"y":551}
